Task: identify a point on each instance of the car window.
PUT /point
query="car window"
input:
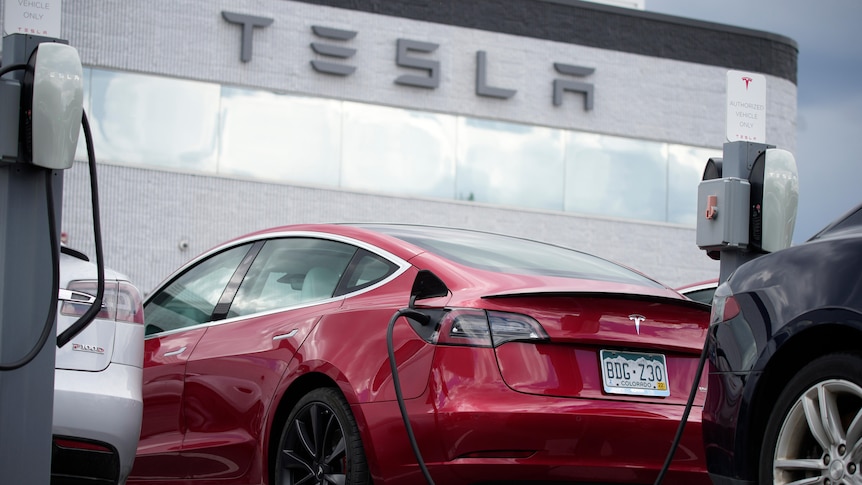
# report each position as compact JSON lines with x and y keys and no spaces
{"x":503,"y":254}
{"x":191,"y":298}
{"x":367,"y":269}
{"x":291,"y":271}
{"x":703,"y":296}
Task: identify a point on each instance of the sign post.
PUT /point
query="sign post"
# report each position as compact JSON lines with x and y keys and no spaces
{"x":26,"y":290}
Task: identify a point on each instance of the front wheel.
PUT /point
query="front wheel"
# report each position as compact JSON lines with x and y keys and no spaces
{"x":814,"y":433}
{"x":320,"y":443}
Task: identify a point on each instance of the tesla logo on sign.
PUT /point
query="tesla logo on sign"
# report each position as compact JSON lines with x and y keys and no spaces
{"x":746,"y":107}
{"x":637,"y":319}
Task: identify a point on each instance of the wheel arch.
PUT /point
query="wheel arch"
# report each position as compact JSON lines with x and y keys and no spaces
{"x":301,"y":386}
{"x":795,"y":351}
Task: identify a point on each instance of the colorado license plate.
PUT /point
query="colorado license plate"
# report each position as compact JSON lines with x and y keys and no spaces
{"x":634,"y":373}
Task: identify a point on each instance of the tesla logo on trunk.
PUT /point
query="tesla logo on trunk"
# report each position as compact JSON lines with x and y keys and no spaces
{"x":637,"y":319}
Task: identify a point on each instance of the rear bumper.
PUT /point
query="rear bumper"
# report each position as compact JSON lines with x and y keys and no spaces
{"x":520,"y":438}
{"x":100,"y":407}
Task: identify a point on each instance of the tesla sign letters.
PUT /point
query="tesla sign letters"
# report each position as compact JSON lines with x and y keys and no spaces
{"x":334,"y":51}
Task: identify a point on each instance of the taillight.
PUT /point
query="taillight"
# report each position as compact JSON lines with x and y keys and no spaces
{"x":122,"y":301}
{"x":724,"y":306}
{"x":478,"y":328}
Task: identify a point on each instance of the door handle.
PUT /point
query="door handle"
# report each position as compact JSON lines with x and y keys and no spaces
{"x":286,"y":335}
{"x":175,"y":352}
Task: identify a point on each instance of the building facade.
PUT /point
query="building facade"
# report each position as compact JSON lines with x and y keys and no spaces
{"x":575,"y":123}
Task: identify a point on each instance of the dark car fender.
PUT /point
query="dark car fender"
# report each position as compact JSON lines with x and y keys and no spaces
{"x":749,"y":383}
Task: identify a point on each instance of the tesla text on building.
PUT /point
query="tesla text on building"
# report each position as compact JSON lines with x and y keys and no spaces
{"x":334,"y":52}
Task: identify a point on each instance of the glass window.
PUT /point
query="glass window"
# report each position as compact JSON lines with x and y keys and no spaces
{"x":511,"y":164}
{"x":154,"y":121}
{"x":367,"y":269}
{"x":279,"y":137}
{"x":289,"y":272}
{"x":191,"y":298}
{"x":614,"y":176}
{"x":397,"y":151}
{"x":205,"y":127}
{"x":503,"y":254}
{"x":703,"y":296}
{"x":685,"y":170}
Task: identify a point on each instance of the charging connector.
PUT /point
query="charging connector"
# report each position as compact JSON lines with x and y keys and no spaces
{"x":396,"y":382}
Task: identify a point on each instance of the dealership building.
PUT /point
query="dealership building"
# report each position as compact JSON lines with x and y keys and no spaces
{"x":576,"y":123}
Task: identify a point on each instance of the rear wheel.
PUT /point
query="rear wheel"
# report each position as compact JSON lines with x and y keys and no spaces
{"x":320,"y":443}
{"x":814,"y":433}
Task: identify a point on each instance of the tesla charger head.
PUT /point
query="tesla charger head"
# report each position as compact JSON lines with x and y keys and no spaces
{"x":774,"y":200}
{"x":55,"y":106}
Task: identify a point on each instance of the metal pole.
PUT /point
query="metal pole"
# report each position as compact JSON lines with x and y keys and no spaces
{"x":26,"y":296}
{"x":738,"y":158}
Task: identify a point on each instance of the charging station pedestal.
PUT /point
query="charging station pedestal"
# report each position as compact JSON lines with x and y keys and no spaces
{"x":747,"y":199}
{"x":27,"y":292}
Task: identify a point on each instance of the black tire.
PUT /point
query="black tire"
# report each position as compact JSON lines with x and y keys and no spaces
{"x":819,"y":446}
{"x":320,"y":443}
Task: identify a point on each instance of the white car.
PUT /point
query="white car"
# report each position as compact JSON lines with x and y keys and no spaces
{"x":97,"y":377}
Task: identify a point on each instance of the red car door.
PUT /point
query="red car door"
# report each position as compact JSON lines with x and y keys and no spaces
{"x":163,"y":424}
{"x":233,"y":372}
{"x":176,"y":317}
{"x":231,"y":380}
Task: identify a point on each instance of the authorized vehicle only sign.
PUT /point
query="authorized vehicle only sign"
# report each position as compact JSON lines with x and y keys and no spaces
{"x":32,"y":17}
{"x":746,"y":107}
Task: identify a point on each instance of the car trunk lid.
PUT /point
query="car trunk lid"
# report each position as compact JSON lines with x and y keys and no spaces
{"x":605,"y":345}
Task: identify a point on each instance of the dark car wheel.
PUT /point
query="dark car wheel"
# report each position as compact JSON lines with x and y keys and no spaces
{"x":320,"y":443}
{"x":814,"y":434}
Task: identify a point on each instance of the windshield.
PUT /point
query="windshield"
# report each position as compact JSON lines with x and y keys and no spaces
{"x":504,"y":254}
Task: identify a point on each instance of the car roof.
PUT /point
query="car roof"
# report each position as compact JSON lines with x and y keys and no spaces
{"x":426,"y":242}
{"x":850,"y":223}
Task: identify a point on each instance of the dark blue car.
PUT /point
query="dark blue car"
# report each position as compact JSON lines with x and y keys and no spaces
{"x":785,"y":365}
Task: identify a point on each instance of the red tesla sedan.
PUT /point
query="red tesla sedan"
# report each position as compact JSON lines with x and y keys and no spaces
{"x":270,"y":359}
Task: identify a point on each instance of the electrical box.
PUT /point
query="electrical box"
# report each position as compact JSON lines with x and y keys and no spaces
{"x":723,"y":213}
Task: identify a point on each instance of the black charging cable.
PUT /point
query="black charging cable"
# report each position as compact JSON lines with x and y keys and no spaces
{"x":396,"y":382}
{"x":96,"y":306}
{"x":55,"y":281}
{"x":55,"y":261}
{"x":688,"y":406}
{"x":88,"y":316}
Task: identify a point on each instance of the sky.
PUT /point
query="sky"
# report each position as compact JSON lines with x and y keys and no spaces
{"x":829,"y":111}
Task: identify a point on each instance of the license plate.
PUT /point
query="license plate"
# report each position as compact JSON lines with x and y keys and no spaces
{"x":634,"y":373}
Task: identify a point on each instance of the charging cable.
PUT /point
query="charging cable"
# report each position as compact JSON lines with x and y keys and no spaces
{"x":96,"y":307}
{"x":55,"y":281}
{"x":688,"y":405}
{"x":396,"y":382}
{"x":88,"y":316}
{"x":55,"y":261}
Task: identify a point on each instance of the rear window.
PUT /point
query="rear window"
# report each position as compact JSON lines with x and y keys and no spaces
{"x":504,"y":254}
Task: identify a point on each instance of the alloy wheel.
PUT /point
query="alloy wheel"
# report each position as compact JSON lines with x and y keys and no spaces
{"x":820,"y":440}
{"x":320,"y":443}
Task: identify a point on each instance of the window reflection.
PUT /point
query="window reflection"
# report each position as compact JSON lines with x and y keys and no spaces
{"x":204,"y":127}
{"x":393,"y":150}
{"x":685,"y":170}
{"x":280,"y":137}
{"x":155,"y":121}
{"x":615,"y":176}
{"x":510,"y":164}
